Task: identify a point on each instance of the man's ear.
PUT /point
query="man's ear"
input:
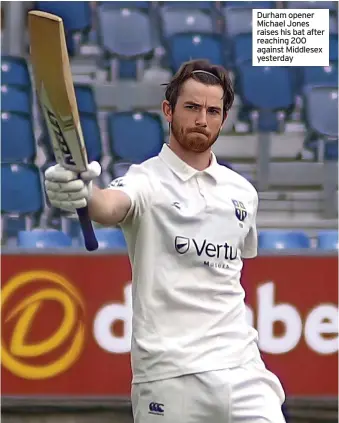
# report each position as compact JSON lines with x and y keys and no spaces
{"x":167,"y":111}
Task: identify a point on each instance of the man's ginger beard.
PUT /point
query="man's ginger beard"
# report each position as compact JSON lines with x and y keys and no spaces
{"x":190,"y":140}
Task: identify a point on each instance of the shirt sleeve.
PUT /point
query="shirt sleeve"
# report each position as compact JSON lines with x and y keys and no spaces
{"x":138,"y":186}
{"x":250,"y":249}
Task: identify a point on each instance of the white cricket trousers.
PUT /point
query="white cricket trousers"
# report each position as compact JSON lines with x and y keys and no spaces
{"x":246,"y":394}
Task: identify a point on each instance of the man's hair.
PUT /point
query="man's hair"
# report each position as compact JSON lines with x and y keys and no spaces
{"x":202,"y":71}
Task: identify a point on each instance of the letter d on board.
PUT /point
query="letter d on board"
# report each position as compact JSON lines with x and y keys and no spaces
{"x":106,"y":317}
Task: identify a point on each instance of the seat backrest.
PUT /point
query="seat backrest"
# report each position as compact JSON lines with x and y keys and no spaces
{"x":76,"y":15}
{"x":328,"y":240}
{"x":125,"y":32}
{"x":91,"y":132}
{"x":85,"y":98}
{"x":21,"y":190}
{"x":281,"y":239}
{"x":14,"y":71}
{"x":238,"y":20}
{"x":195,"y":45}
{"x":40,"y":238}
{"x":320,"y":75}
{"x":242,"y":48}
{"x":180,"y":20}
{"x":266,"y":87}
{"x":321,"y":109}
{"x":249,"y":4}
{"x":331,"y":5}
{"x":334,"y":24}
{"x":135,"y":137}
{"x":125,"y":4}
{"x":333,"y":56}
{"x":15,"y":99}
{"x":110,"y":238}
{"x":202,"y":5}
{"x":17,"y":138}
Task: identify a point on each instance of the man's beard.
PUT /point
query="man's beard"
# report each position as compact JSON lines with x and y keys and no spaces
{"x":191,"y":140}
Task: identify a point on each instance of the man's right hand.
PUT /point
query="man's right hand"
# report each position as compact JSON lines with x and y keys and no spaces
{"x":66,"y":190}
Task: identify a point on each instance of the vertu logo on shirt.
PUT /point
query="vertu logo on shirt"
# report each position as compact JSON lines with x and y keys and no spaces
{"x":205,"y":248}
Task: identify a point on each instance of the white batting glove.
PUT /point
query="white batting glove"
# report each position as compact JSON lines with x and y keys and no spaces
{"x":66,"y":191}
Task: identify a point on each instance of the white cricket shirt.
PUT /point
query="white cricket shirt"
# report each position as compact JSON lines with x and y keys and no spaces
{"x":187,"y":232}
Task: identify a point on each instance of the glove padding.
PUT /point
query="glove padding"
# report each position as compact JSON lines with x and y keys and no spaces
{"x":66,"y":191}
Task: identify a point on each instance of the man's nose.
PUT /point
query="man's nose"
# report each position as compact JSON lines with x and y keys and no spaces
{"x":201,"y":119}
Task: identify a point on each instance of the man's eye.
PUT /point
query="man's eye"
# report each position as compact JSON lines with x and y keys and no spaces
{"x":214,"y":112}
{"x":192,"y":107}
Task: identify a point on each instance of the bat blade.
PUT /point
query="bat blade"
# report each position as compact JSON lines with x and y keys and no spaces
{"x":55,"y":91}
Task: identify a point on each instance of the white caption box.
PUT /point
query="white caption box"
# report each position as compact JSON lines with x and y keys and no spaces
{"x":290,"y":37}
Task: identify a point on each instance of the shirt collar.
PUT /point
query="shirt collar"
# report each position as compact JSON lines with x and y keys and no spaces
{"x":183,"y":170}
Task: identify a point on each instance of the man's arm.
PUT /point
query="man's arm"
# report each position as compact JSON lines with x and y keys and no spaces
{"x":108,"y":207}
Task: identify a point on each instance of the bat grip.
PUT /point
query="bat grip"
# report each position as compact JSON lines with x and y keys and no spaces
{"x":91,"y":242}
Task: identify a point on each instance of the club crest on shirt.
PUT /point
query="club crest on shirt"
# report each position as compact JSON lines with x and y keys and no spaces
{"x":240,"y":210}
{"x":182,"y":244}
{"x":118,"y":182}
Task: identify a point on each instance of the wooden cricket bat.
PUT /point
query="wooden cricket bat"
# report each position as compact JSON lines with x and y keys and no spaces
{"x":54,"y":86}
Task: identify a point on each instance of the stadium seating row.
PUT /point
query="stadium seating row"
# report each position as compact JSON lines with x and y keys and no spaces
{"x":113,"y":238}
{"x":171,"y":20}
{"x":268,"y":91}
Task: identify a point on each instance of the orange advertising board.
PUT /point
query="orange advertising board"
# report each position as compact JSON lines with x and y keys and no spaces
{"x":66,"y":323}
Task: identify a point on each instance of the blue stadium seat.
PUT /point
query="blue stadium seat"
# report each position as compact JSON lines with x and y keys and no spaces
{"x":331,"y":5}
{"x":334,"y":24}
{"x":321,"y":110}
{"x":320,"y":75}
{"x":135,"y":137}
{"x":125,"y":4}
{"x":196,"y":5}
{"x":76,"y":15}
{"x":125,"y":32}
{"x":17,"y":138}
{"x":249,"y":4}
{"x":333,"y":56}
{"x":331,"y":150}
{"x":266,"y":90}
{"x":187,"y":46}
{"x":281,"y":239}
{"x":110,"y":238}
{"x":21,"y":190}
{"x":15,"y":99}
{"x":14,"y":71}
{"x":120,"y":169}
{"x":85,"y":98}
{"x":92,"y":136}
{"x":128,"y":69}
{"x":238,"y":20}
{"x":180,"y":20}
{"x":328,"y":240}
{"x":71,"y":49}
{"x":242,"y":48}
{"x":43,"y":238}
{"x":11,"y":226}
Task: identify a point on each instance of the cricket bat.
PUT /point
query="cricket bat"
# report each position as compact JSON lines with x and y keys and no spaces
{"x":55,"y":90}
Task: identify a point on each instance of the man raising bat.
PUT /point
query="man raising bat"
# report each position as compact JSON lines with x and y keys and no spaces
{"x":189,"y":223}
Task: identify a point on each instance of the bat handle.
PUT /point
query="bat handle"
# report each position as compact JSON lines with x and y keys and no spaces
{"x":91,"y":242}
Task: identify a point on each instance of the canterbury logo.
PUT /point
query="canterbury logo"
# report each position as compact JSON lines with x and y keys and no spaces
{"x":156,"y":408}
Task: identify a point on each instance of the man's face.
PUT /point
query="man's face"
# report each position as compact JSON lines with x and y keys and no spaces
{"x":198,"y":116}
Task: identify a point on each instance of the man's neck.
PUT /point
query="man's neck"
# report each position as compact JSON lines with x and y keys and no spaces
{"x":199,"y":161}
